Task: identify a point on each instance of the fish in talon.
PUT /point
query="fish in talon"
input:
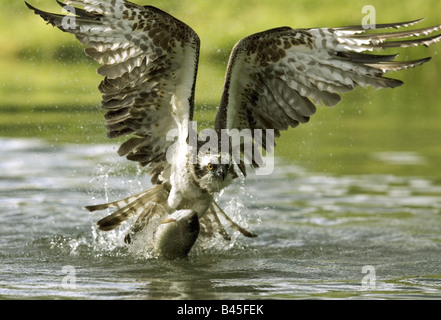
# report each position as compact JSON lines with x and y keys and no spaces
{"x":176,"y":235}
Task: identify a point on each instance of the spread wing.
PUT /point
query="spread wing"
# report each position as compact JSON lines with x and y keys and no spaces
{"x":149,"y":60}
{"x":276,"y":78}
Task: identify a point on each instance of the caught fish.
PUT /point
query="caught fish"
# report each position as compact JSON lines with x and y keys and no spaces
{"x":176,"y":235}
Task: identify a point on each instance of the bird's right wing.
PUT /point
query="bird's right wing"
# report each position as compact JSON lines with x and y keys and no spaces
{"x":149,"y":60}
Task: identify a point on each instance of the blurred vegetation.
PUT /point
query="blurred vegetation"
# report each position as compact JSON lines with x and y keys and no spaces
{"x":48,"y":87}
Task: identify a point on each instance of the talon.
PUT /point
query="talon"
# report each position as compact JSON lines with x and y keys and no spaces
{"x":234,"y":225}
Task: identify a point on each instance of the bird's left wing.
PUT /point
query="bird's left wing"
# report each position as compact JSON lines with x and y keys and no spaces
{"x":275,"y":78}
{"x":149,"y":60}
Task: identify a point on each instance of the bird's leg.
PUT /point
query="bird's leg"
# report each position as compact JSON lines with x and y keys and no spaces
{"x":234,"y":225}
{"x":220,"y":228}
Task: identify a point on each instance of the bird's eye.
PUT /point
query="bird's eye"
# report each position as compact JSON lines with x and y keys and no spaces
{"x":210,"y":167}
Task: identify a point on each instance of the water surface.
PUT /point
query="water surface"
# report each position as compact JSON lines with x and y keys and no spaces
{"x":320,"y":235}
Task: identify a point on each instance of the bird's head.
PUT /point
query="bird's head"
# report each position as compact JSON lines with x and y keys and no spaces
{"x":214,"y":172}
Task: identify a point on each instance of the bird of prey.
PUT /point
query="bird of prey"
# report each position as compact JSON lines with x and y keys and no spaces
{"x":274,"y":80}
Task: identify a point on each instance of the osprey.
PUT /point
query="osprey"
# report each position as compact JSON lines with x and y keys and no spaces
{"x":274,"y":81}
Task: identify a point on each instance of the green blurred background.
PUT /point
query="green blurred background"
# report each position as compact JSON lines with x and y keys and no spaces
{"x":48,"y":87}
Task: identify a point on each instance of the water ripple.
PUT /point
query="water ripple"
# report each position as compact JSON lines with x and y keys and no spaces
{"x":316,"y":232}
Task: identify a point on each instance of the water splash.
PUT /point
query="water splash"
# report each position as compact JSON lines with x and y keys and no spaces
{"x":142,"y":245}
{"x":238,"y":210}
{"x":70,"y":246}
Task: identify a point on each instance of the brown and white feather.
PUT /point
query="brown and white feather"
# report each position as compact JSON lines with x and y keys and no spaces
{"x":149,"y":60}
{"x":276,"y":78}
